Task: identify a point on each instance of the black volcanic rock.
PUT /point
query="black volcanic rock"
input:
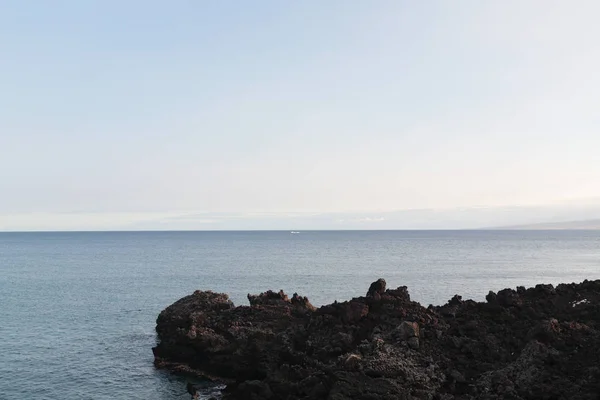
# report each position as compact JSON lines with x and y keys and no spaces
{"x":376,"y":288}
{"x":280,"y":299}
{"x":535,"y":343}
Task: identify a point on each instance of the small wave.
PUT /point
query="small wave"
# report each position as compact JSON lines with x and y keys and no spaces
{"x":214,"y":392}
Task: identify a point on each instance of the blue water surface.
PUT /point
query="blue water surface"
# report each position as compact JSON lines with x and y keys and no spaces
{"x":78,"y":310}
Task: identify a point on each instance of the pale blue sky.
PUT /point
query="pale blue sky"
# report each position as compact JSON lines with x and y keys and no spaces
{"x":118,"y":114}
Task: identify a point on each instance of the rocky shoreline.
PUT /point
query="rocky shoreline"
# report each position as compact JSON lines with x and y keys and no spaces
{"x":535,"y":343}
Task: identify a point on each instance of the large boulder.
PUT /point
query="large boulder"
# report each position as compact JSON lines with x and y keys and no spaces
{"x":204,"y":334}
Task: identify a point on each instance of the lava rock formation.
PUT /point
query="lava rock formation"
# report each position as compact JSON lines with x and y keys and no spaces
{"x":536,"y":343}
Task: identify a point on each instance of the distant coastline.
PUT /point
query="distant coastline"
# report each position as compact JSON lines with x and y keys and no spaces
{"x":591,"y":224}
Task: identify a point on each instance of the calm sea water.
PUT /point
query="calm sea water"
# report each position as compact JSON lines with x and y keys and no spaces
{"x":78,"y":309}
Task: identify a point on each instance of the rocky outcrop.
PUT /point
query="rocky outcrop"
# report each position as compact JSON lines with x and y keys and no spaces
{"x":541,"y":342}
{"x":377,"y":288}
{"x":279,"y":298}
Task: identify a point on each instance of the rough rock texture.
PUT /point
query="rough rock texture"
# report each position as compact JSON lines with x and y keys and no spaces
{"x":536,"y":343}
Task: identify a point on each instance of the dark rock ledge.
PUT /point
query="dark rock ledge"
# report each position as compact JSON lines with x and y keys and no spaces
{"x":536,"y":343}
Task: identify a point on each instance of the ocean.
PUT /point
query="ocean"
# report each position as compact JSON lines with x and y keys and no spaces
{"x":78,"y":310}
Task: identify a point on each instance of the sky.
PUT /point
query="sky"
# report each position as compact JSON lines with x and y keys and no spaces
{"x":269,"y":114}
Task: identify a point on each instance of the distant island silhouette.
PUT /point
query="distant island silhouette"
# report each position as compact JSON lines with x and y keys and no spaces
{"x":590,"y":224}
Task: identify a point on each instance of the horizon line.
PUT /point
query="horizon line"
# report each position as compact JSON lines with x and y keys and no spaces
{"x":511,"y":229}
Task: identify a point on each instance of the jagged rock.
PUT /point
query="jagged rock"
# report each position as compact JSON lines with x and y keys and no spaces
{"x":407,"y":330}
{"x":351,"y":361}
{"x":539,"y":342}
{"x":268,"y":298}
{"x":400,"y":293}
{"x":280,"y":299}
{"x":519,"y":376}
{"x":413,"y":342}
{"x":545,"y":330}
{"x":302,"y":301}
{"x":377,"y":287}
{"x":508,"y":298}
{"x":455,"y":300}
{"x":204,"y":334}
{"x":545,"y":289}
